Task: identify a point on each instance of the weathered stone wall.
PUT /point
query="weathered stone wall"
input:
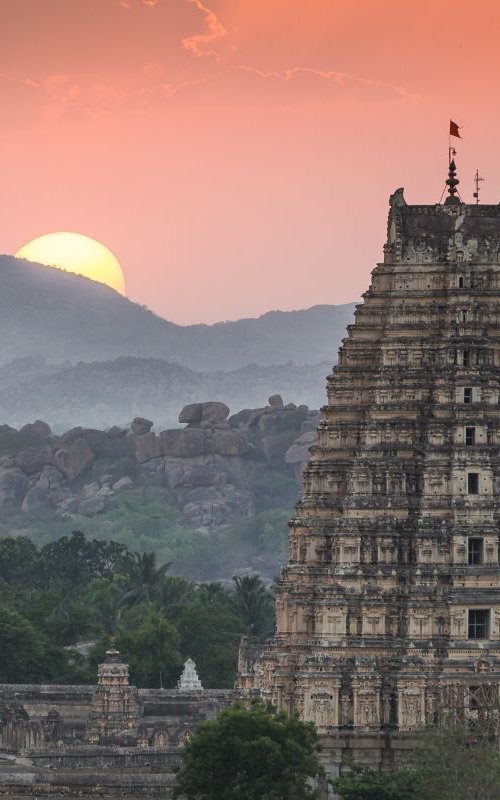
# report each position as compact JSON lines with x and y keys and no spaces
{"x":45,"y":749}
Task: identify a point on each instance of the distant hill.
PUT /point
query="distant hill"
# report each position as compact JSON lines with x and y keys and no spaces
{"x":67,"y":318}
{"x":102,"y":394}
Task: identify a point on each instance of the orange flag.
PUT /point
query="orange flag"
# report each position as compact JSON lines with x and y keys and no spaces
{"x":454,"y":130}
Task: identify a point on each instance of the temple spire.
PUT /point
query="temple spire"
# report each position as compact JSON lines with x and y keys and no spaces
{"x":452,"y":183}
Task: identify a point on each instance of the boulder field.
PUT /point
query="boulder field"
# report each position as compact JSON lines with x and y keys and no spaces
{"x":208,"y":466}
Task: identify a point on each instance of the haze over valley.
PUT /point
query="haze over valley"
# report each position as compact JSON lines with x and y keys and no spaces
{"x":75,"y":352}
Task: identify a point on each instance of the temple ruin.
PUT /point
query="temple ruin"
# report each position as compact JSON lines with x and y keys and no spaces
{"x":110,"y":740}
{"x":388,"y":612}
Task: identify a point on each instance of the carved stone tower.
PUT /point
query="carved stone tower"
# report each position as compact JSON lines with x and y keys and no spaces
{"x":388,"y":612}
{"x":115,"y":706}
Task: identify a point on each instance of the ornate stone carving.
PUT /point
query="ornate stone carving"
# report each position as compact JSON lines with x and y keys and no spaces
{"x":115,"y":706}
{"x":398,"y":521}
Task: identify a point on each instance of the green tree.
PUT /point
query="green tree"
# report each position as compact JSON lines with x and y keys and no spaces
{"x":144,"y":578}
{"x":365,"y":783}
{"x":25,"y":654}
{"x":18,"y":561}
{"x":255,"y":605}
{"x":457,"y":763}
{"x":451,"y":762}
{"x":175,"y":589}
{"x":104,"y":598}
{"x":250,"y":754}
{"x":151,"y":649}
{"x":72,"y":561}
{"x":210,"y":633}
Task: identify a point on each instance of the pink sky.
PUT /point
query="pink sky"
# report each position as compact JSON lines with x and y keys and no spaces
{"x":237,"y":155}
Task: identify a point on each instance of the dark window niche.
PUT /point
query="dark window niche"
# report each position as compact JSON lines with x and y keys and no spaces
{"x":470,"y":436}
{"x":475,"y":551}
{"x":479,"y":623}
{"x":467,"y":395}
{"x":473,"y":483}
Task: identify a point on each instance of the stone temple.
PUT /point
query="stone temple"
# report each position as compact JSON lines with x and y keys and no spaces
{"x":388,"y":612}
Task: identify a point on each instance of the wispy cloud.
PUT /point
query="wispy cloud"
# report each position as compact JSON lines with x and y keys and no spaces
{"x":215,"y":30}
{"x":201,"y":45}
{"x":20,"y":81}
{"x":128,"y":3}
{"x":340,"y":78}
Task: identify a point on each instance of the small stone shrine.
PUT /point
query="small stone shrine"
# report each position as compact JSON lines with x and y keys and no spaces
{"x":189,"y":680}
{"x":115,"y":706}
{"x":388,"y":612}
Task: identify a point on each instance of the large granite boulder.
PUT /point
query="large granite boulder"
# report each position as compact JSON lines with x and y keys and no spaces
{"x":299,"y":451}
{"x":39,"y":429}
{"x":183,"y":442}
{"x":74,"y":459}
{"x":214,"y":412}
{"x":69,"y":437}
{"x":107,"y":444}
{"x":36,"y":501}
{"x":192,"y":414}
{"x":147,"y":447}
{"x":13,"y":488}
{"x":33,"y":460}
{"x":230,"y":442}
{"x":141,"y":425}
{"x":7,"y":430}
{"x":50,"y":479}
{"x":240,"y":420}
{"x":123,"y":484}
{"x":276,"y":401}
{"x":202,"y":475}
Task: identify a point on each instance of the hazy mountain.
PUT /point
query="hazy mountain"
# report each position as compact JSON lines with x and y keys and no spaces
{"x":105,"y":393}
{"x":63,"y":317}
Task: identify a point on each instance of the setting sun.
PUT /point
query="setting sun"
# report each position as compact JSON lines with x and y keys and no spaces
{"x":73,"y":252}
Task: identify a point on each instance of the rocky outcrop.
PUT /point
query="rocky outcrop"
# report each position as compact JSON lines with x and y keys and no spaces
{"x":299,"y":453}
{"x":140,"y":425}
{"x":212,"y":468}
{"x":14,"y":485}
{"x":192,"y":413}
{"x":74,"y":459}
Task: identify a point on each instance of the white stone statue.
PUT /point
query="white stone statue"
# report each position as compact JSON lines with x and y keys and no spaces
{"x":189,"y":680}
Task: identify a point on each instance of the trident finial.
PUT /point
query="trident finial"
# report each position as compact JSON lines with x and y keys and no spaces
{"x":452,"y":183}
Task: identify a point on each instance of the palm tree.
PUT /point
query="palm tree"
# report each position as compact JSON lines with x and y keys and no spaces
{"x":144,"y":580}
{"x":254,"y":604}
{"x":175,"y":589}
{"x":211,"y":593}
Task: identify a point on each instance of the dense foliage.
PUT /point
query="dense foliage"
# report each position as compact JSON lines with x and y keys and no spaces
{"x":453,"y":762}
{"x":63,"y":604}
{"x":144,"y":520}
{"x":365,"y":783}
{"x":250,"y":754}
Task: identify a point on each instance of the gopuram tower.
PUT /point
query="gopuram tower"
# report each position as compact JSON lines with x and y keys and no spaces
{"x":388,"y":611}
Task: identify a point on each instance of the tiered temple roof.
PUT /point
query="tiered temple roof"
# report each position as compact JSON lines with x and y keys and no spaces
{"x":388,"y":611}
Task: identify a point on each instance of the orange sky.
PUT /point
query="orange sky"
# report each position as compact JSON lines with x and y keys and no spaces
{"x":237,"y":155}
